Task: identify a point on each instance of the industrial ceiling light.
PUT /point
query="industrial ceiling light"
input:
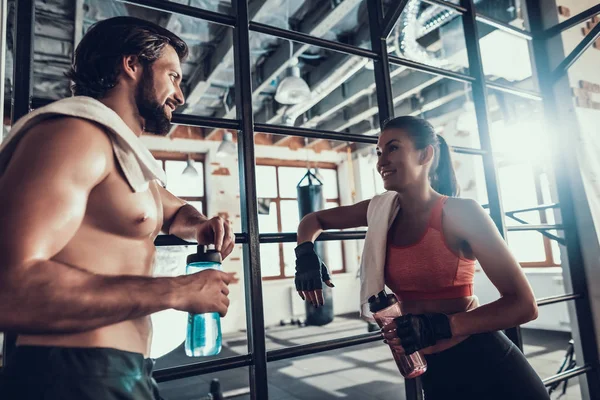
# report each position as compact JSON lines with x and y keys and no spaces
{"x":292,"y":89}
{"x":190,"y":170}
{"x":227,"y":147}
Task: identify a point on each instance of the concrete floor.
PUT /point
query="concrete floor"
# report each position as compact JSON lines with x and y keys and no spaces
{"x":365,"y":372}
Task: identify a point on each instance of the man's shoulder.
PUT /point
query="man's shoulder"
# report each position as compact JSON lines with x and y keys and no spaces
{"x":70,"y":142}
{"x":70,"y":132}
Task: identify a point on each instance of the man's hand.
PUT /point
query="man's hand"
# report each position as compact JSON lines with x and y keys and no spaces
{"x":204,"y":292}
{"x":310,"y":273}
{"x":416,"y":332}
{"x":216,"y":231}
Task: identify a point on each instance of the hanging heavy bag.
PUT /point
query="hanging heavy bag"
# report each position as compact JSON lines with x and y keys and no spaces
{"x":310,"y":199}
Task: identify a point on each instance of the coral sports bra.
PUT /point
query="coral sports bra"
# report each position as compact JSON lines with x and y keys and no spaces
{"x":429,"y":269}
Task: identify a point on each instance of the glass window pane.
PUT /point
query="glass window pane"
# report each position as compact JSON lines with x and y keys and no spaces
{"x":527,"y":246}
{"x":189,"y":184}
{"x":517,"y":186}
{"x":268,"y":222}
{"x":289,"y":259}
{"x":447,"y":104}
{"x":289,"y":177}
{"x":266,"y":181}
{"x":509,"y":12}
{"x":198,"y":387}
{"x":325,"y":90}
{"x":333,"y":248}
{"x":219,"y":6}
{"x":517,"y":127}
{"x":499,"y":50}
{"x":330,"y":182}
{"x":432,"y":35}
{"x":340,"y":21}
{"x":270,"y":264}
{"x":334,"y":258}
{"x":207,"y":71}
{"x":470,"y":177}
{"x":289,"y":216}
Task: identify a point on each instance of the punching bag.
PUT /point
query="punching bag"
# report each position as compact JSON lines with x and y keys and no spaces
{"x":310,"y":199}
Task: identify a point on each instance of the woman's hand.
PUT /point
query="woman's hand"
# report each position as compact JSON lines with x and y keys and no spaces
{"x":310,"y":273}
{"x":415,"y":332}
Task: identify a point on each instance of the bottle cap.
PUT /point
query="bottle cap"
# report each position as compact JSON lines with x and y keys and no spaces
{"x":204,"y":254}
{"x":380,"y":301}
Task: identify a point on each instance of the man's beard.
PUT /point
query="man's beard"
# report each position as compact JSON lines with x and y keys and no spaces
{"x":153,"y":113}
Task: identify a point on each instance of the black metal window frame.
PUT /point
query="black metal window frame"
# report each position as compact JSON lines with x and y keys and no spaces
{"x":199,"y":158}
{"x":279,"y":215}
{"x":380,"y":28}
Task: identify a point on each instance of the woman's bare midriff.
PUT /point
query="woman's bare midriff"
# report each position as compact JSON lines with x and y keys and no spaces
{"x":445,"y":306}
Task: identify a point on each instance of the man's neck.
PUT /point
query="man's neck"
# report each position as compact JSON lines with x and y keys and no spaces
{"x":126,"y":109}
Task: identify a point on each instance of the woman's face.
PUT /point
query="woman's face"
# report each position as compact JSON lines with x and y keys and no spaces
{"x":401,"y":165}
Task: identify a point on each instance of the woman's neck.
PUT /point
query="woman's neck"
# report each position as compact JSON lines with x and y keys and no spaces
{"x":414,"y":200}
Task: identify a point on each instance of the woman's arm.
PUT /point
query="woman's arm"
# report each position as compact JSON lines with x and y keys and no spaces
{"x":344,"y":217}
{"x":516,"y":304}
{"x":310,"y":272}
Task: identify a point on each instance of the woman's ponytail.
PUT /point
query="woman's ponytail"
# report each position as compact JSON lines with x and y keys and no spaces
{"x":443,"y":177}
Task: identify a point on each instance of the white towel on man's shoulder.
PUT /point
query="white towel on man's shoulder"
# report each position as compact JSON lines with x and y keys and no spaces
{"x":382,"y":210}
{"x":136,"y":161}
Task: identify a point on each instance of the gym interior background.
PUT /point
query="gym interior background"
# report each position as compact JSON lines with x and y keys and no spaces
{"x":512,"y":85}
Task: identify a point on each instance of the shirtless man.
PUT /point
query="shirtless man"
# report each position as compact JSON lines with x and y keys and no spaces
{"x":76,"y":243}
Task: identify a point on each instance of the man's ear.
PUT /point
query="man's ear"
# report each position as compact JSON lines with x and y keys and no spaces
{"x":131,"y":67}
{"x":427,"y":155}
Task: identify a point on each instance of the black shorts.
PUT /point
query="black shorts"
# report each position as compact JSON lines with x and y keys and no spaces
{"x":484,"y":366}
{"x":53,"y":373}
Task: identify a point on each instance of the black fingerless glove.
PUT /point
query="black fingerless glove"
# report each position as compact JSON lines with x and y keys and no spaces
{"x":310,"y":271}
{"x":417,"y":332}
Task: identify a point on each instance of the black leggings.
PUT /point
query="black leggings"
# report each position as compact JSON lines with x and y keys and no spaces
{"x":65,"y":373}
{"x":484,"y":366}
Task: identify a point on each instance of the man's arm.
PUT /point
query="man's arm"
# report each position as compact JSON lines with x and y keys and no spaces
{"x":44,"y":196}
{"x":185,"y":222}
{"x":179,"y":218}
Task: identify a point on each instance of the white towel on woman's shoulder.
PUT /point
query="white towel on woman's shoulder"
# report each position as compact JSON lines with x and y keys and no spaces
{"x":382,"y":210}
{"x":136,"y":161}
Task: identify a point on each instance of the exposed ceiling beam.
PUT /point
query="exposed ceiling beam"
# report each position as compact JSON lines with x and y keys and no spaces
{"x":221,"y":59}
{"x":362,"y":84}
{"x":365,"y":108}
{"x":436,"y":97}
{"x":78,"y":23}
{"x":277,"y":63}
{"x":326,"y":78}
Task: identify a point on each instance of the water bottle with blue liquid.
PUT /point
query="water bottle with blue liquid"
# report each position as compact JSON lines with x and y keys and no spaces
{"x":204,"y":330}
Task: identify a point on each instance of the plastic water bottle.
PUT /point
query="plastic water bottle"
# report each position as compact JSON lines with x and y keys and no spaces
{"x":203,"y":330}
{"x":385,"y":308}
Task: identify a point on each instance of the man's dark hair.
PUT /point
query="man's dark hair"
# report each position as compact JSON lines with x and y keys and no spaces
{"x":97,"y":61}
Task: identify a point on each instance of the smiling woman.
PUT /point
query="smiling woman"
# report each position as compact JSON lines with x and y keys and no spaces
{"x":400,"y":137}
{"x":422,"y":242}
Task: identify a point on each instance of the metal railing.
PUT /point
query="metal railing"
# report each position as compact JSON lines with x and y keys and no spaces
{"x":168,"y":374}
